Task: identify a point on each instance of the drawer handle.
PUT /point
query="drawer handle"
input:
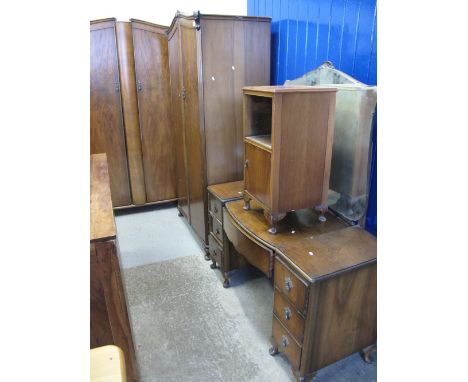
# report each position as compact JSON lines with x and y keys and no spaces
{"x":288,"y":284}
{"x":287,"y":313}
{"x":284,"y":341}
{"x":217,"y":231}
{"x":246,"y":163}
{"x":215,"y":209}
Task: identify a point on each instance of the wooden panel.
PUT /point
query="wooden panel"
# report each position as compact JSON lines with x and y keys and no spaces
{"x":257,"y":173}
{"x":297,"y":291}
{"x":346,"y":318}
{"x":291,"y":350}
{"x":107,"y":290}
{"x":255,"y":254}
{"x":130,"y":111}
{"x":304,"y":132}
{"x":106,"y":123}
{"x":257,"y":53}
{"x":193,"y":134}
{"x":153,"y":89}
{"x":101,"y":213}
{"x":177,"y":122}
{"x":222,"y":160}
{"x":288,"y":315}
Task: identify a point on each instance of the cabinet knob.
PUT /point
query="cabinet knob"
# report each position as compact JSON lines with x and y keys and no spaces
{"x":284,"y":341}
{"x":288,"y":285}
{"x":215,"y":209}
{"x":139,"y":86}
{"x":217,"y":231}
{"x":287,"y":313}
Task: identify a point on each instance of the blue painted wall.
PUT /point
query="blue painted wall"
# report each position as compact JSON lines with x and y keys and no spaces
{"x":307,"y":32}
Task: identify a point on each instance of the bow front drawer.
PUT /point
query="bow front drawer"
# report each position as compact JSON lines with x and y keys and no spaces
{"x":290,"y":285}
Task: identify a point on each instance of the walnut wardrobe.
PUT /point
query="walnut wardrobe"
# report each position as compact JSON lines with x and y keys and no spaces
{"x":211,"y":57}
{"x":130,"y":110}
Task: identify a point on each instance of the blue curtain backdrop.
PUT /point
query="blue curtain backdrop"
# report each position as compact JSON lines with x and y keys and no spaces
{"x":304,"y":33}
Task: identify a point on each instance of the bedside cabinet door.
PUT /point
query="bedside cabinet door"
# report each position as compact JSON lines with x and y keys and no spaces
{"x":257,"y":173}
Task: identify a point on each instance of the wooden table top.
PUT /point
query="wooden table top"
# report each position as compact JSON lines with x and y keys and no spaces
{"x":317,"y":250}
{"x":227,"y":191}
{"x":102,"y":215}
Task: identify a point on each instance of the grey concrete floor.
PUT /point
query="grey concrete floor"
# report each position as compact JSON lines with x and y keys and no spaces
{"x":186,"y":326}
{"x":151,"y":234}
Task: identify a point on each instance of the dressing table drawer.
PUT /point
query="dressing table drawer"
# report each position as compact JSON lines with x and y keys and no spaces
{"x":216,"y":251}
{"x":286,"y":343}
{"x":291,"y":286}
{"x":257,"y":255}
{"x":288,"y":315}
{"x":216,"y":228}
{"x":216,"y":207}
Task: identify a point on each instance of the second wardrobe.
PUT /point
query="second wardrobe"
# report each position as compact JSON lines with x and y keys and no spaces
{"x":130,"y":66}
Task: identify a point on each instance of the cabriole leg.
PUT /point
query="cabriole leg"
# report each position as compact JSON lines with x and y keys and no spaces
{"x":367,"y":352}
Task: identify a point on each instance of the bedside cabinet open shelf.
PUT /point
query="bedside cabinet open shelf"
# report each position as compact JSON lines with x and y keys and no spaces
{"x":288,"y":137}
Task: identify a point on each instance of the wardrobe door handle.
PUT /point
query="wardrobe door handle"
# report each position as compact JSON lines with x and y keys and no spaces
{"x":139,"y":86}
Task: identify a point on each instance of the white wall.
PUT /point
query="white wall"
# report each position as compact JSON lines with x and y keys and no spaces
{"x":162,"y":12}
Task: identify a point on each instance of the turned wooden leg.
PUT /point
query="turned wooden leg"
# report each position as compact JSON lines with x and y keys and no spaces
{"x":180,"y":213}
{"x":367,"y":352}
{"x":213,"y":264}
{"x":247,"y":200}
{"x":207,"y":253}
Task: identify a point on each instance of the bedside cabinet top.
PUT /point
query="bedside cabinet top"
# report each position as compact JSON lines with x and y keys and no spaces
{"x":227,"y":191}
{"x":269,"y":91}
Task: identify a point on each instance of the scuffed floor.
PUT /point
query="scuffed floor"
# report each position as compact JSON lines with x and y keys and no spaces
{"x":187,"y":327}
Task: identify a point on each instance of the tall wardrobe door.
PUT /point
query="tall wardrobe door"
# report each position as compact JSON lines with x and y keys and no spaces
{"x":153,"y":90}
{"x":224,"y":154}
{"x":177,"y":121}
{"x":194,"y":144}
{"x":107,"y":134}
{"x":130,"y":111}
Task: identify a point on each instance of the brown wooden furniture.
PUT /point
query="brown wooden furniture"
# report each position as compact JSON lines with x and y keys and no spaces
{"x":210,"y":58}
{"x":219,"y":246}
{"x":110,"y":324}
{"x":130,"y":110}
{"x":324,"y":282}
{"x":288,"y":137}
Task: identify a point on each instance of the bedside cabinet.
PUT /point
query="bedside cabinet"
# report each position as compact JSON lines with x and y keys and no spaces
{"x":218,"y":245}
{"x":288,"y":138}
